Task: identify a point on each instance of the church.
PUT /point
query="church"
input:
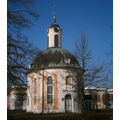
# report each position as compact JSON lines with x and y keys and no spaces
{"x":52,"y":76}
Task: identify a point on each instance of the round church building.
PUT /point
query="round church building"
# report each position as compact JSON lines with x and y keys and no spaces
{"x":51,"y":80}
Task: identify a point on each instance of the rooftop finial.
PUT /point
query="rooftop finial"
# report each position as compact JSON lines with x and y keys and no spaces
{"x":54,"y":13}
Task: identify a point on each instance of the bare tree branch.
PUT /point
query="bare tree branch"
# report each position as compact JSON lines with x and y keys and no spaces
{"x":20,"y":52}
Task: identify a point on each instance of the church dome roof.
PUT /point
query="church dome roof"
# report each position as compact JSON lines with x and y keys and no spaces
{"x":54,"y":58}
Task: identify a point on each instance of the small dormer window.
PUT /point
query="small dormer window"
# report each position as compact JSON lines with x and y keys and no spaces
{"x":68,"y":80}
{"x":67,"y":61}
{"x":56,"y":41}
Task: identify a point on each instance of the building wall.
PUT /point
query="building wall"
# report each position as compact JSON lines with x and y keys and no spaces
{"x":12,"y":100}
{"x":110,"y":93}
{"x":8,"y":101}
{"x":100,"y":102}
{"x":51,"y":34}
{"x":18,"y":99}
{"x":101,"y":98}
{"x":60,"y":91}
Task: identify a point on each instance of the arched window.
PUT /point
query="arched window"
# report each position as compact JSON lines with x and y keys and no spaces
{"x":49,"y":90}
{"x":56,"y":41}
{"x":68,"y":80}
{"x":35,"y":91}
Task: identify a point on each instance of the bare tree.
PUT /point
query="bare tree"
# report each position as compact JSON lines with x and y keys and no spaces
{"x":20,"y":52}
{"x":109,"y":66}
{"x":92,"y":72}
{"x":95,"y":100}
{"x":106,"y":99}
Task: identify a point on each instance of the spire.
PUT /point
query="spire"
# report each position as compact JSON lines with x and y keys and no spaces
{"x":54,"y":33}
{"x":54,"y":13}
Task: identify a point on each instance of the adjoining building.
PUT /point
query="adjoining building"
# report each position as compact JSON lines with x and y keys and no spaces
{"x":110,"y":98}
{"x":17,"y":98}
{"x":98,"y":99}
{"x":51,"y":78}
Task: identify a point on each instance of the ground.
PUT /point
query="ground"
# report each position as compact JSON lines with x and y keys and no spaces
{"x":22,"y":115}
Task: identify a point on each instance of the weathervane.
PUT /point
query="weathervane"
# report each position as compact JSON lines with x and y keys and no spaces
{"x":54,"y":13}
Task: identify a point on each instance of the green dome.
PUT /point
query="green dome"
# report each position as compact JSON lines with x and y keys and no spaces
{"x":54,"y":58}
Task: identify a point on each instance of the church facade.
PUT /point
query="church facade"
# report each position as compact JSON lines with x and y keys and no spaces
{"x":52,"y":78}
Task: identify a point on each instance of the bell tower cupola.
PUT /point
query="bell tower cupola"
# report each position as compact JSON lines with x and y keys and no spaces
{"x":54,"y":34}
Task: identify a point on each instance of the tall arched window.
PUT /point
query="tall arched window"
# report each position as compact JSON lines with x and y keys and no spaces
{"x":68,"y":80}
{"x":56,"y":40}
{"x":49,"y":90}
{"x":35,"y":91}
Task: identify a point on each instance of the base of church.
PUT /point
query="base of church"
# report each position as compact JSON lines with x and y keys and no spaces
{"x":51,"y":112}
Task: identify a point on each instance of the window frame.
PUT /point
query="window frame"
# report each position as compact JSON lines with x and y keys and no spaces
{"x":66,"y":80}
{"x":35,"y":92}
{"x":52,"y":94}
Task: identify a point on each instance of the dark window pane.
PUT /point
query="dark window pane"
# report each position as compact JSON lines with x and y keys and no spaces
{"x":35,"y":100}
{"x":49,"y":99}
{"x":49,"y":89}
{"x":35,"y":91}
{"x":49,"y":80}
{"x":56,"y":41}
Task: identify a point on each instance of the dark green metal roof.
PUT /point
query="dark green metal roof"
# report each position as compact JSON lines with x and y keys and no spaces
{"x":54,"y":25}
{"x":54,"y":57}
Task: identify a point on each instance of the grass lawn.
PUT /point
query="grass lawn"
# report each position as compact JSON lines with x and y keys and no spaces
{"x":22,"y":115}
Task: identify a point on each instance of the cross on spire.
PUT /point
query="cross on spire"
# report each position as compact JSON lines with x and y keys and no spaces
{"x":54,"y":13}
